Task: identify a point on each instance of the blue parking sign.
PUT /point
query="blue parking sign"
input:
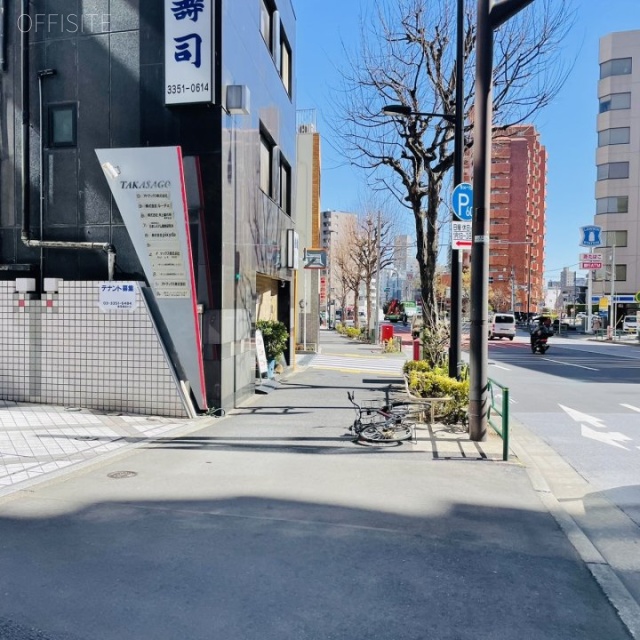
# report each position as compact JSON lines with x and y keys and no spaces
{"x":462,"y":201}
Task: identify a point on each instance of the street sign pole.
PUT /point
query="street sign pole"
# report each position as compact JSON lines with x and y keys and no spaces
{"x":588,"y":328}
{"x":455,"y":337}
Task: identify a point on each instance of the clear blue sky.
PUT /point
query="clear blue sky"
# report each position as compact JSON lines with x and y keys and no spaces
{"x":567,"y":126}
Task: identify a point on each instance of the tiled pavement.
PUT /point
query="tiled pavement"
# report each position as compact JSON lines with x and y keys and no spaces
{"x":41,"y":439}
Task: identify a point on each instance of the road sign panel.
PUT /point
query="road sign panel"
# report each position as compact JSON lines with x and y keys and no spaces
{"x":315,"y":259}
{"x":590,"y":236}
{"x":462,"y":201}
{"x":461,"y":235}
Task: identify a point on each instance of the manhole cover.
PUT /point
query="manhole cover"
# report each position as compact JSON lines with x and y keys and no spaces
{"x":116,"y":475}
{"x":86,"y":438}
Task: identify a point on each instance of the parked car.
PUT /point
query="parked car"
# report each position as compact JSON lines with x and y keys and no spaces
{"x":630,"y":324}
{"x":502,"y":325}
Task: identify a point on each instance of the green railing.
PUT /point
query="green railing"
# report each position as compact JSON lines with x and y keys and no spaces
{"x":499,"y":407}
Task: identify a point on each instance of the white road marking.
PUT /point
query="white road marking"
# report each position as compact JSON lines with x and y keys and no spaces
{"x":497,"y":366}
{"x":578,"y":416}
{"x":630,"y":406}
{"x":570,"y":364}
{"x":608,"y":438}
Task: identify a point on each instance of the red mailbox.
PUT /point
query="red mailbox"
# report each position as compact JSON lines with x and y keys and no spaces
{"x":416,"y":349}
{"x":386,"y":332}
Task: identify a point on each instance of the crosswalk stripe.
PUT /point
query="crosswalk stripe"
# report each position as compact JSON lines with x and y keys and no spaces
{"x":355,"y":364}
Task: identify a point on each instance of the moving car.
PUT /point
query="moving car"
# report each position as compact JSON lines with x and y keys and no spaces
{"x":502,"y":325}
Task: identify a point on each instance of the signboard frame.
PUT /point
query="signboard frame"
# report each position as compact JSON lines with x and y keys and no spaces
{"x":261,"y":354}
{"x":461,"y":235}
{"x":188,"y":52}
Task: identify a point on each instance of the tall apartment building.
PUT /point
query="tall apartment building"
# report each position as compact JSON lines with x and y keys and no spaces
{"x":336,"y":227}
{"x":618,"y":164}
{"x":518,"y":220}
{"x":308,"y":225}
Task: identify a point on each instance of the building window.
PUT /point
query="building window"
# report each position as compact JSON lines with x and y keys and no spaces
{"x":266,"y":160}
{"x":615,"y":238}
{"x":285,"y":62}
{"x":619,"y":135}
{"x":613,"y":204}
{"x":62,"y":125}
{"x":285,"y":186}
{"x":615,"y":67}
{"x":621,"y":272}
{"x":613,"y":171}
{"x":615,"y":101}
{"x":267,"y":9}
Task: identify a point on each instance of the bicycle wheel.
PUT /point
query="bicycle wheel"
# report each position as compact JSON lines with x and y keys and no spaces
{"x":387,"y":431}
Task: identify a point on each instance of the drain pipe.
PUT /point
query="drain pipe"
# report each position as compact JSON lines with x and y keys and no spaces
{"x":25,"y":170}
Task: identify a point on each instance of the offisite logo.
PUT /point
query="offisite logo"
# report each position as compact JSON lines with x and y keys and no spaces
{"x":65,"y":22}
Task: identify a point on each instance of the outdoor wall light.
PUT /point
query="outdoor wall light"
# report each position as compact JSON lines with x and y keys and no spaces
{"x":112,"y":171}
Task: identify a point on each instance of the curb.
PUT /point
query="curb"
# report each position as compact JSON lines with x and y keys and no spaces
{"x":613,"y":588}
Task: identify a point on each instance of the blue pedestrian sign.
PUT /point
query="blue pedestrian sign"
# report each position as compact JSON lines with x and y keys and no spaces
{"x":462,"y":201}
{"x":590,"y":236}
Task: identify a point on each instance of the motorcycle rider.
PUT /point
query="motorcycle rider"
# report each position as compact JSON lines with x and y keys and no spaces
{"x":543,"y":329}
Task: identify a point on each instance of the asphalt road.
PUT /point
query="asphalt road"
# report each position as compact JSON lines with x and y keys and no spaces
{"x":583,"y":399}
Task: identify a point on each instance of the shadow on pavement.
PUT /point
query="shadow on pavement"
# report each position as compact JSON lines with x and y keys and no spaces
{"x":261,"y":568}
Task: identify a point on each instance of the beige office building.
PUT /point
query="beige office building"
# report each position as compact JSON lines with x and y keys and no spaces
{"x":618,"y":167}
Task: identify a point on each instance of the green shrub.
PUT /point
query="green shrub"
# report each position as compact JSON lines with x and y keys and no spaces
{"x":352,"y":332}
{"x":428,"y":383}
{"x":275,"y":336}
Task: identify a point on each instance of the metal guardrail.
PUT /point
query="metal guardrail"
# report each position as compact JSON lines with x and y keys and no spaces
{"x":501,"y":427}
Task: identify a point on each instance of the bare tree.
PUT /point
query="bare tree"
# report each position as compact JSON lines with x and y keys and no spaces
{"x":347,"y":270}
{"x":407,"y":56}
{"x":373,"y":238}
{"x":499,"y":298}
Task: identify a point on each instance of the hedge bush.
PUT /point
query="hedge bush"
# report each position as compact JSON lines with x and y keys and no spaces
{"x":426,"y":381}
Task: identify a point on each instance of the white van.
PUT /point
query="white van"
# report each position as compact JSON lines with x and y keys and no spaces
{"x":502,"y":325}
{"x":630,"y":324}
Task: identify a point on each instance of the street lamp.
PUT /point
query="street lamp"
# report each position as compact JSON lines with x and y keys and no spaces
{"x":491,"y":15}
{"x":405,"y":112}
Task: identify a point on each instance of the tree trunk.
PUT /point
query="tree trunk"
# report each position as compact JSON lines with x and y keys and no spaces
{"x":427,"y":250}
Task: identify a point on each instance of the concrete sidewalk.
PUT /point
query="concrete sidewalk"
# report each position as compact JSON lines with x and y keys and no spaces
{"x":272,"y":524}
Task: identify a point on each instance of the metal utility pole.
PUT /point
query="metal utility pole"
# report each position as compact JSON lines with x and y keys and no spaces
{"x":455,"y":338}
{"x":529,"y":261}
{"x":376,"y":321}
{"x":490,"y":16}
{"x":513,"y":290}
{"x":613,"y":291}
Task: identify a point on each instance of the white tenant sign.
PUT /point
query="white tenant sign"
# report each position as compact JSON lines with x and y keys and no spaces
{"x":188,"y":51}
{"x":117,"y":296}
{"x":590,"y":261}
{"x":461,"y":235}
